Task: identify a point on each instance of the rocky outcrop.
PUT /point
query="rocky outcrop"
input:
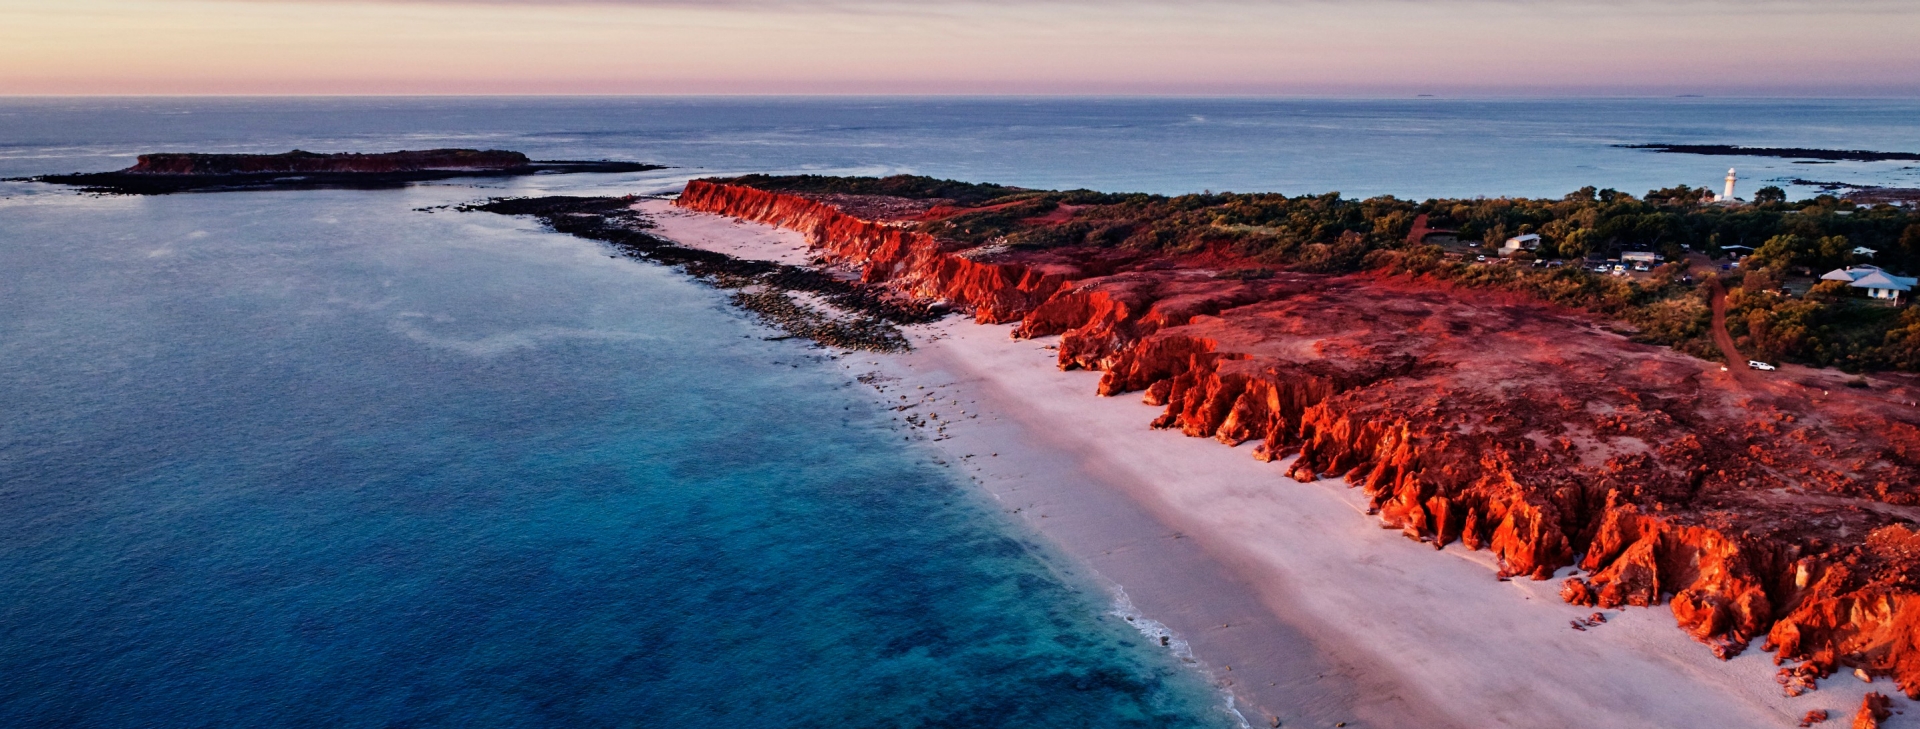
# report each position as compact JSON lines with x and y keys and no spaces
{"x":1874,"y":708}
{"x":1495,"y":424}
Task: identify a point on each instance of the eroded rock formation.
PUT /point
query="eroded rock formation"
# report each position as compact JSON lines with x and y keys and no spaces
{"x":1778,"y":509}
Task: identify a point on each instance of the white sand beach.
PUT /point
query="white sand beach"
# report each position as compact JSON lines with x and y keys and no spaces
{"x":1288,"y":594}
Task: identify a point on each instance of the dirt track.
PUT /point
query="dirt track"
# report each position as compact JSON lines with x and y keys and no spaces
{"x":1736,"y":364}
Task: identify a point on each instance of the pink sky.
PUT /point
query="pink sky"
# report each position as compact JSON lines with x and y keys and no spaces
{"x":1359,"y":47}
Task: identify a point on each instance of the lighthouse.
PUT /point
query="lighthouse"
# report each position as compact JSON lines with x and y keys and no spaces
{"x":1728,"y":197}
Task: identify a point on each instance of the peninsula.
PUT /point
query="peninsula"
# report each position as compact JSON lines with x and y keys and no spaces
{"x":161,"y":174}
{"x":1599,"y":431}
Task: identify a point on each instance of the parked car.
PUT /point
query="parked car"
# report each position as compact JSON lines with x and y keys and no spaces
{"x":1759,"y":365}
{"x":1642,"y":267}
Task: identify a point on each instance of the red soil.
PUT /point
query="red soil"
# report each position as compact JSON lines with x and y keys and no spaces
{"x":1755,"y":510}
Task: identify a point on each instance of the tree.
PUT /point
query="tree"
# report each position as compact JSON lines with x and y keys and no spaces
{"x":1579,"y":243}
{"x":1678,"y":196}
{"x":1835,"y":252}
{"x":1829,"y":290}
{"x":1769,"y":195}
{"x":1777,"y":253}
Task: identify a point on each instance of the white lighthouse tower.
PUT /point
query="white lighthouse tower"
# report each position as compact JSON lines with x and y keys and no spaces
{"x":1728,"y":197}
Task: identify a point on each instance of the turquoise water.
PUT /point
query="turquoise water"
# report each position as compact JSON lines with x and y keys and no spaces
{"x":316,"y":459}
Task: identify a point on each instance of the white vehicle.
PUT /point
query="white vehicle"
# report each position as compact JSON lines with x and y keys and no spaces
{"x":1759,"y":365}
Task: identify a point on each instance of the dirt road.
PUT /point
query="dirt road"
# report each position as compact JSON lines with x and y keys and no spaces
{"x":1736,"y":364}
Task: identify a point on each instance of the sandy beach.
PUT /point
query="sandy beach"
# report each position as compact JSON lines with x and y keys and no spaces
{"x":1287,"y":594}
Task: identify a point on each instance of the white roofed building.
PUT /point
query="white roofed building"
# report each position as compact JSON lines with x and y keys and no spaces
{"x":1516,"y":244}
{"x":1878,"y":283}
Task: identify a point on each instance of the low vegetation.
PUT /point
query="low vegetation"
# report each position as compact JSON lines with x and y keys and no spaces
{"x":1790,"y":243}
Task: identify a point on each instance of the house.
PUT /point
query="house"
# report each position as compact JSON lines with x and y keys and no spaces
{"x":1878,"y":283}
{"x":1516,"y":244}
{"x":1737,"y":252}
{"x":1640,"y":257}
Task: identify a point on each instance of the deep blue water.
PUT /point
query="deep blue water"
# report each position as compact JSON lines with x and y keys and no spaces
{"x":323,"y":459}
{"x":315,"y":459}
{"x":1414,"y":148}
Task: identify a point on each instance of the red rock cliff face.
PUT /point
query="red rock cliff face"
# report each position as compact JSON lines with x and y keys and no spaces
{"x":1778,"y":514}
{"x":915,"y":263}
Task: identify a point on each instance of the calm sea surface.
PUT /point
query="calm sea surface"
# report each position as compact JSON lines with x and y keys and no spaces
{"x":1406,"y":147}
{"x":327,"y":459}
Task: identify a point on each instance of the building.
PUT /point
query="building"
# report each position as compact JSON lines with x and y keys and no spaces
{"x":1727,"y":197}
{"x":1640,"y":257}
{"x":1864,"y":252}
{"x":1528,"y":242}
{"x":1878,"y":283}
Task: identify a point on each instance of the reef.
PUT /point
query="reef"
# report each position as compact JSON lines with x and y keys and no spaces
{"x":1727,"y":150}
{"x":1864,"y":194}
{"x":1769,"y":507}
{"x":850,"y":315}
{"x":166,"y":173}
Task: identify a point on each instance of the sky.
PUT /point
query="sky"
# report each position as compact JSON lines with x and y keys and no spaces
{"x":1096,"y":47}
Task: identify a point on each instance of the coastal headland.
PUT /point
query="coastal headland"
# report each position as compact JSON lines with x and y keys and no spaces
{"x":166,"y":173}
{"x":1769,"y":507}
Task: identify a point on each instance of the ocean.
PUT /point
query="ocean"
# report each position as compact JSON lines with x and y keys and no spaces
{"x":1410,"y":148}
{"x":349,"y":458}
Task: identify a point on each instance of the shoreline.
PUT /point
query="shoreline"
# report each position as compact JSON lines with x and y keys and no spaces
{"x":1199,"y":536}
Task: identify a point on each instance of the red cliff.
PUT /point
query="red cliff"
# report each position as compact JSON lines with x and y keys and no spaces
{"x":915,"y":263}
{"x":1776,"y":512}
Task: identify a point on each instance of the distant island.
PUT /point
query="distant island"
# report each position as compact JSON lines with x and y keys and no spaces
{"x":166,"y":173}
{"x":1727,"y":150}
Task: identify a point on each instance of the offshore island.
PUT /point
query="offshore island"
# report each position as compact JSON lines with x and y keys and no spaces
{"x":167,"y":173}
{"x":1611,"y":403}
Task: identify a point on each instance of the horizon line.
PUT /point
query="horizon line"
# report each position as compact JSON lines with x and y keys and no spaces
{"x":1911,"y":95}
